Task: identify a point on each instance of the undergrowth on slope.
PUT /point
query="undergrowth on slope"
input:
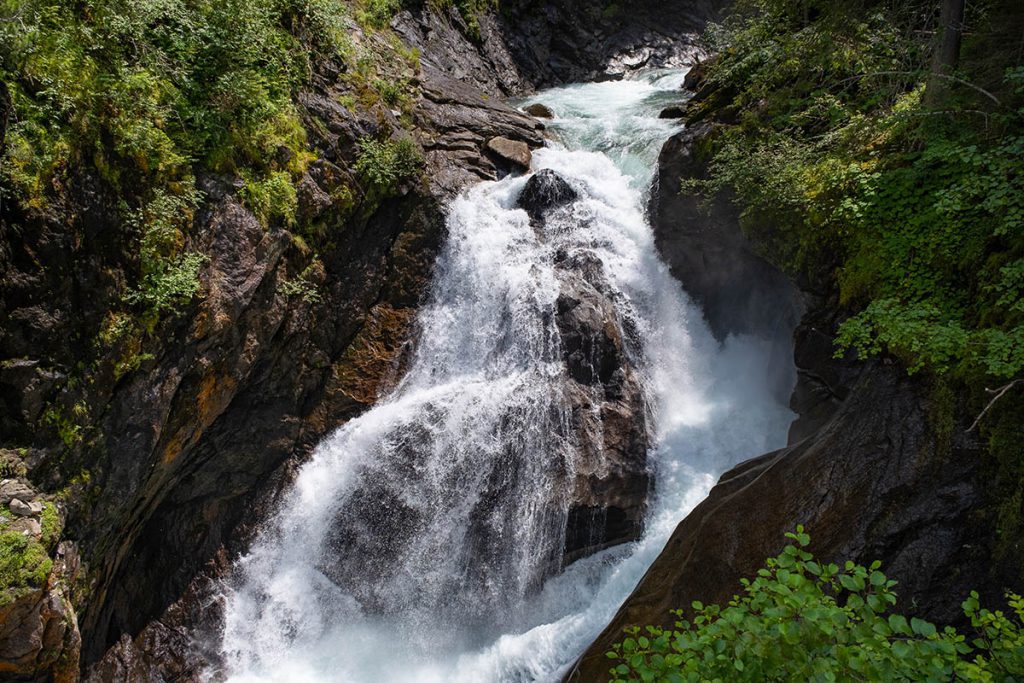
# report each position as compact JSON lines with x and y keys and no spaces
{"x":802,"y":619}
{"x":850,"y":173}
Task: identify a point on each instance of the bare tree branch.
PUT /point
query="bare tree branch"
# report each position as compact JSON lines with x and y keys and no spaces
{"x":961,"y":81}
{"x":998,"y":395}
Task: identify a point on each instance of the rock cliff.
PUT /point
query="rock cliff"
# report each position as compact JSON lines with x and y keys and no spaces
{"x":162,"y":451}
{"x":880,"y":466}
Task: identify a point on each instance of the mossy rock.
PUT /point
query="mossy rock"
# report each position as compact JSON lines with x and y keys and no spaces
{"x":12,"y":464}
{"x":25,"y":565}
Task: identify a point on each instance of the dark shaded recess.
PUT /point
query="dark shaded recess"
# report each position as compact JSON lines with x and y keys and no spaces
{"x":590,"y":529}
{"x":563,"y":41}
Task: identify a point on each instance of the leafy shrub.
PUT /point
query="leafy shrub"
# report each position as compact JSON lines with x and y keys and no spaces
{"x":169,"y":278}
{"x":51,"y":526}
{"x":272,"y":197}
{"x":800,"y":619}
{"x":849,"y":178}
{"x":382,"y":163}
{"x":303,"y":286}
{"x":378,"y":13}
{"x":170,"y":287}
{"x":392,"y":93}
{"x":156,"y":85}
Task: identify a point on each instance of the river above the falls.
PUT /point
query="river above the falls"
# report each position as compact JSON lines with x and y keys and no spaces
{"x":416,"y":544}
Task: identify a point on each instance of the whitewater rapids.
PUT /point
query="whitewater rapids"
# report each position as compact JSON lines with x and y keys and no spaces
{"x":329,"y":592}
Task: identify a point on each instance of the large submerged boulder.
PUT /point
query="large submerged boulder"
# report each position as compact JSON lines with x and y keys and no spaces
{"x":540,"y":111}
{"x":544,"y":192}
{"x":609,"y":477}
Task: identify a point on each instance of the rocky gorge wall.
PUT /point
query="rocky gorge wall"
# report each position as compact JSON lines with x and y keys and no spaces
{"x":159,"y":461}
{"x":159,"y":456}
{"x":163,"y":464}
{"x":880,"y":465}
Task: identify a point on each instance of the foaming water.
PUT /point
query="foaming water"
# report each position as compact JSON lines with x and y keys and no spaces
{"x":417,"y":542}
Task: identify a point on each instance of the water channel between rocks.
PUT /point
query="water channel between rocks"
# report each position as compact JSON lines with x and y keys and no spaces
{"x":564,"y":392}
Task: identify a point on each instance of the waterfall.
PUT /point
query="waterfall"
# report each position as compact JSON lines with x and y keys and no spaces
{"x":423,"y":541}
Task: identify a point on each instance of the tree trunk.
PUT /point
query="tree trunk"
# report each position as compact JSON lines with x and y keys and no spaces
{"x":5,"y":109}
{"x":946,"y":52}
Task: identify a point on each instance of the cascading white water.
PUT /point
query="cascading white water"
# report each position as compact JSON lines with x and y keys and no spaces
{"x":413,"y":544}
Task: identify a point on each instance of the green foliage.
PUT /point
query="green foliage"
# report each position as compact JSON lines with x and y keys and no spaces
{"x":395,"y":93}
{"x":273,"y":197}
{"x":170,"y":287}
{"x":377,"y":13}
{"x":24,"y":565}
{"x":801,"y":619}
{"x":382,"y":163}
{"x":148,"y":92}
{"x":170,"y":278}
{"x":303,"y":286}
{"x":51,"y":525}
{"x":68,"y":429}
{"x":848,"y":178}
{"x":153,"y":85}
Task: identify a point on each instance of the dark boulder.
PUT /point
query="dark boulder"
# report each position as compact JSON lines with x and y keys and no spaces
{"x":610,"y":479}
{"x":539,"y":110}
{"x":676,"y":111}
{"x":698,"y":74}
{"x":544,"y":192}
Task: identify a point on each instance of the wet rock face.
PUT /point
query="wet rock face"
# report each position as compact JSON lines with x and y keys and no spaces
{"x":707,"y":251}
{"x":545,"y":191}
{"x":541,"y":111}
{"x":869,"y":485}
{"x":739,"y":291}
{"x":608,"y":478}
{"x":165,"y":650}
{"x":560,"y":41}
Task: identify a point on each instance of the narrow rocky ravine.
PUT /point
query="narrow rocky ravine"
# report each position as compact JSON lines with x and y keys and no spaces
{"x":464,"y":425}
{"x":166,"y":456}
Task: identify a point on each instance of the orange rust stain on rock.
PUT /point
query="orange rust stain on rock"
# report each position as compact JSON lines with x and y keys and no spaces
{"x":212,"y":397}
{"x":374,"y":360}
